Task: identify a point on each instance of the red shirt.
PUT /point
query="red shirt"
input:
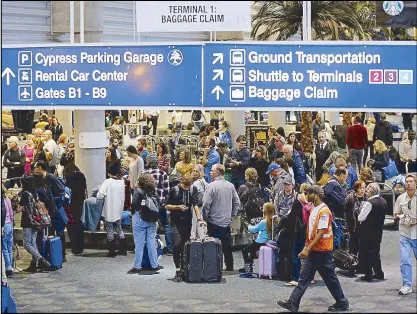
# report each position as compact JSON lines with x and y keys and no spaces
{"x":356,"y":137}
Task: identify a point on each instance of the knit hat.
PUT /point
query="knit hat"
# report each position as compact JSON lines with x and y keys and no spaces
{"x":152,"y":158}
{"x":114,"y":169}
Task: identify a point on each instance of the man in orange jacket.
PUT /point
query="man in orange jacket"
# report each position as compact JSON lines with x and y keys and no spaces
{"x":317,"y":255}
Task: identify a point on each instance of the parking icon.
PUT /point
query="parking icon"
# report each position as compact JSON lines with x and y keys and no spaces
{"x":25,"y":93}
{"x":237,"y":57}
{"x":237,"y":93}
{"x":237,"y":76}
{"x":25,"y":58}
{"x":25,"y":76}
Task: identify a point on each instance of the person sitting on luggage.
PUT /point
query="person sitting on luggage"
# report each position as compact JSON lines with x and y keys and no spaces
{"x":366,"y":175}
{"x":371,"y":222}
{"x":182,"y":200}
{"x":30,"y":233}
{"x":264,"y":230}
{"x":113,"y":192}
{"x":144,"y":230}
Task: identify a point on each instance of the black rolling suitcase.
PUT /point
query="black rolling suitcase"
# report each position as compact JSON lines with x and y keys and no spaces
{"x":212,"y":260}
{"x":193,"y":255}
{"x":344,"y":260}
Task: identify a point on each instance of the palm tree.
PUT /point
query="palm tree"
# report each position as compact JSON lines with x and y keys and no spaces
{"x":307,"y":132}
{"x":283,"y":19}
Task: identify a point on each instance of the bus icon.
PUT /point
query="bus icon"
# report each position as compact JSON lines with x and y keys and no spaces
{"x":237,"y":57}
{"x":237,"y":76}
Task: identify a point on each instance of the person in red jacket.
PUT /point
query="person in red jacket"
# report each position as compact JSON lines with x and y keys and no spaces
{"x":356,"y":140}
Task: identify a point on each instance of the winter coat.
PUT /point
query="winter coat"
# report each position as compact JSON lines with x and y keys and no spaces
{"x":383,"y":132}
{"x":78,"y":185}
{"x":298,"y":167}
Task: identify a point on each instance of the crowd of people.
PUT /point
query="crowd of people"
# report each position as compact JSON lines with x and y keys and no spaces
{"x":308,"y":201}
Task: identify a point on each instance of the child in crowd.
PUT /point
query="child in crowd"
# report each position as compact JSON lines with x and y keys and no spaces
{"x":264,"y":229}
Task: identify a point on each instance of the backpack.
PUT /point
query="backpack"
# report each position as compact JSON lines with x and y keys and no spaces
{"x":149,"y":208}
{"x":38,"y":213}
{"x":66,"y":198}
{"x":196,"y":115}
{"x":256,"y":200}
{"x":307,"y":207}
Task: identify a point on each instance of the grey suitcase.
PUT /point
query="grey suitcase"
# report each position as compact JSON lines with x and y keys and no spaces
{"x":213,"y":260}
{"x":193,"y":255}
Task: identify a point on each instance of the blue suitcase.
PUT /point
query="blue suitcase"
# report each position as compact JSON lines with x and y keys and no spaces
{"x":145,"y":259}
{"x":51,"y":250}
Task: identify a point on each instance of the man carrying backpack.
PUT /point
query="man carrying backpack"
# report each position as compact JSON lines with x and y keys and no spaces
{"x":58,"y":193}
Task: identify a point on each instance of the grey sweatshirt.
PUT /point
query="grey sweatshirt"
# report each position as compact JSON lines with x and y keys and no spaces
{"x":220,"y":203}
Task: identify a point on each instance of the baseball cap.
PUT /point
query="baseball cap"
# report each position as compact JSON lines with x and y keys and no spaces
{"x":289,"y":180}
{"x":273,"y":167}
{"x":316,"y":189}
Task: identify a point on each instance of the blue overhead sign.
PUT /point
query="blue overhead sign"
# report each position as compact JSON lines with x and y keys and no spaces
{"x":315,"y":75}
{"x":332,"y":75}
{"x":155,"y":75}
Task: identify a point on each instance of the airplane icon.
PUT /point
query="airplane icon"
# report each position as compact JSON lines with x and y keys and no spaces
{"x":25,"y":93}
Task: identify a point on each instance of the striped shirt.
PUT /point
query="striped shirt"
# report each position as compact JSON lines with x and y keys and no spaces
{"x":162,"y":187}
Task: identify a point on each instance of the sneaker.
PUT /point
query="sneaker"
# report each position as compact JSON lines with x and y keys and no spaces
{"x":169,"y":253}
{"x":9,"y":273}
{"x":160,"y":267}
{"x":242,"y":270}
{"x":338,"y":307}
{"x":133,"y":271}
{"x":288,"y":306}
{"x":247,"y":275}
{"x":405,"y":290}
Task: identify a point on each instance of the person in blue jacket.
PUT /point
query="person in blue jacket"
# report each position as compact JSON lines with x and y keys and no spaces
{"x":298,"y":166}
{"x":224,"y":134}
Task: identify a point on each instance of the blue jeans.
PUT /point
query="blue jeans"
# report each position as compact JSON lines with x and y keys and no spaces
{"x":144,"y":231}
{"x":298,"y":247}
{"x":163,"y":215}
{"x":321,"y":262}
{"x":338,"y":233}
{"x":406,"y":245}
{"x":7,"y":245}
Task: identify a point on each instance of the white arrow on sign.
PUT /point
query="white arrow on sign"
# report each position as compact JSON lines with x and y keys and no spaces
{"x":7,"y":73}
{"x":219,"y":57}
{"x":218,"y":73}
{"x":217,"y":90}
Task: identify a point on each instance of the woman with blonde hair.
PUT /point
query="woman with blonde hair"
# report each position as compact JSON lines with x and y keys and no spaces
{"x":248,"y":191}
{"x":370,"y":126}
{"x":39,"y":153}
{"x":366,"y":175}
{"x":29,"y":150}
{"x":263,"y":231}
{"x":62,"y":146}
{"x":381,"y":157}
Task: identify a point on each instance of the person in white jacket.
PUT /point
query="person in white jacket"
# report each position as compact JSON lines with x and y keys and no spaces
{"x":113,"y":192}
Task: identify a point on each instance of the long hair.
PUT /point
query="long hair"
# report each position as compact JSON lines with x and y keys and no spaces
{"x":264,"y":152}
{"x":164,"y":148}
{"x":251,"y":175}
{"x":379,"y":147}
{"x":187,"y":155}
{"x":269,"y":212}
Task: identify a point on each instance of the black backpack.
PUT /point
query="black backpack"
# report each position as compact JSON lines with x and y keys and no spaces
{"x":196,"y":116}
{"x":256,"y":200}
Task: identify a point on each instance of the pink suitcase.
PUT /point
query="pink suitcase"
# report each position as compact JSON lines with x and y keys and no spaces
{"x":267,"y":263}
